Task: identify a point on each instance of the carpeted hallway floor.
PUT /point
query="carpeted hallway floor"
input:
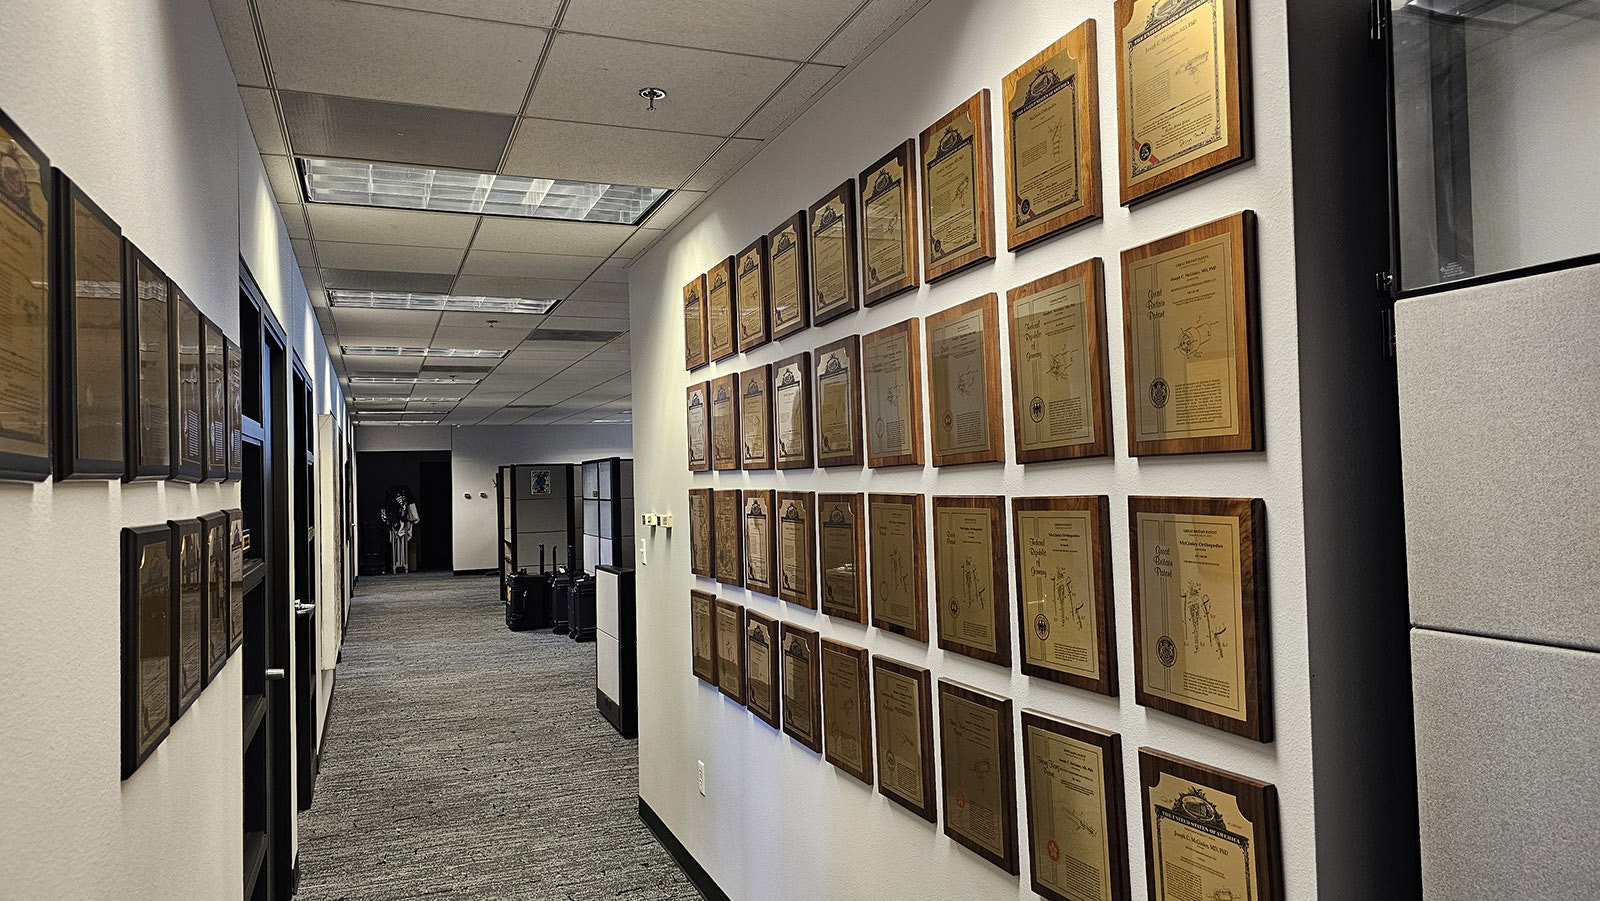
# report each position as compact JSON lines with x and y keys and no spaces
{"x":467,"y":761}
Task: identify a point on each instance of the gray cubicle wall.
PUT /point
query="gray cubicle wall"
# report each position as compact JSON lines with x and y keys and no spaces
{"x":542,"y":518}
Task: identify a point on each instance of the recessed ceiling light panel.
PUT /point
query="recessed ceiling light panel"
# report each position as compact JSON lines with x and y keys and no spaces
{"x":448,"y":303}
{"x":401,"y":380}
{"x":368,"y":350}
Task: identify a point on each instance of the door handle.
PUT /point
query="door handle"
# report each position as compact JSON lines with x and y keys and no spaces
{"x":275,"y":674}
{"x":300,"y":607}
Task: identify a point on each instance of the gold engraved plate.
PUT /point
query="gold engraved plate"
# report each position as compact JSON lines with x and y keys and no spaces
{"x":960,"y":386}
{"x":894,"y":555}
{"x":900,"y":765}
{"x":1071,"y":838}
{"x":965,"y":577}
{"x":974,"y":795}
{"x":1186,"y":356}
{"x":1043,"y":118}
{"x":1191,"y":599}
{"x":1059,"y":612}
{"x":841,"y":714}
{"x":24,"y":305}
{"x":1176,"y":102}
{"x":1052,"y":356}
{"x":799,"y":674}
{"x":883,"y":209}
{"x":1204,"y":845}
{"x":951,"y":166}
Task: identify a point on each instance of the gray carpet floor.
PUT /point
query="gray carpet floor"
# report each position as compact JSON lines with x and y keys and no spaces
{"x":464,"y":760}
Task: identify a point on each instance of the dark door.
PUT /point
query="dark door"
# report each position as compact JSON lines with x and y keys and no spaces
{"x":435,"y":534}
{"x":303,"y":533}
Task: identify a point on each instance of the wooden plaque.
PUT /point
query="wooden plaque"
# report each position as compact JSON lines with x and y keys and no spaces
{"x":891,"y":365}
{"x":188,"y":410}
{"x":146,"y":642}
{"x":969,"y":577}
{"x":760,"y":542}
{"x":1214,"y":832}
{"x":890,"y":243}
{"x":235,"y":413}
{"x":235,"y":579}
{"x":90,"y":341}
{"x":838,"y":395}
{"x":835,"y":290}
{"x":724,"y":395}
{"x":755,"y":418}
{"x":1200,"y":610}
{"x":28,"y":259}
{"x":1183,"y":92}
{"x":187,"y":620}
{"x":701,"y":561}
{"x":902,"y":695}
{"x":846,"y":710}
{"x":761,"y":655}
{"x":698,"y":400}
{"x":218,"y":587}
{"x":797,"y":551}
{"x":1189,"y":341}
{"x":1060,"y":383}
{"x":151,"y":393}
{"x":721,"y":327}
{"x":791,"y":412}
{"x":750,"y":298}
{"x":1066,"y":616}
{"x":978,"y":773}
{"x":1077,"y":833}
{"x":730,"y":649}
{"x":703,"y":635}
{"x":728,"y":555}
{"x":802,"y":685}
{"x":1052,"y":140}
{"x":789,"y":276}
{"x":957,"y":189}
{"x":695,"y":350}
{"x":842,"y":550}
{"x":215,"y":371}
{"x":897,"y":564}
{"x":964,"y":383}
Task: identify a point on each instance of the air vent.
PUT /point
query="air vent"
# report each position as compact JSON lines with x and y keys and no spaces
{"x":583,"y":335}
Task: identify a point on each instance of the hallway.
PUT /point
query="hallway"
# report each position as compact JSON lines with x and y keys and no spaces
{"x":467,"y":761}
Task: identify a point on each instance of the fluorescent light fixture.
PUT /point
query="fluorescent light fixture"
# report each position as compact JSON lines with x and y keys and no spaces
{"x":360,"y":421}
{"x":448,"y":303}
{"x":406,"y":380}
{"x":368,"y":350}
{"x":407,"y":400}
{"x":611,"y":420}
{"x":457,"y":191}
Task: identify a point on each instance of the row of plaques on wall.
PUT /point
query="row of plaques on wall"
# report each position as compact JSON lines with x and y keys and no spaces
{"x":1198,"y":592}
{"x":182,"y":616}
{"x":1208,"y":833}
{"x":107,"y":369}
{"x":1189,"y":347}
{"x":1183,"y":112}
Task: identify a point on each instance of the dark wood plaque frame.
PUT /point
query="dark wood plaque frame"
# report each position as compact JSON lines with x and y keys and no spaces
{"x":214,"y":441}
{"x":753,"y":621}
{"x":727,"y":310}
{"x":796,"y":245}
{"x":728,"y":549}
{"x":1092,"y":272}
{"x":702,"y":534}
{"x":848,"y":348}
{"x":1099,"y":509}
{"x":727,"y":385}
{"x":975,"y":108}
{"x":751,"y":381}
{"x":180,"y":308}
{"x":181,"y":701}
{"x":768,"y":498}
{"x":38,"y":467}
{"x":1254,"y":647}
{"x":696,"y":350}
{"x":846,"y":195}
{"x":235,"y":579}
{"x":133,"y":432}
{"x":1008,"y":773}
{"x":813,"y":645}
{"x":214,"y":527}
{"x":862,"y":713}
{"x":802,"y":362}
{"x":930,"y":808}
{"x":1110,"y":745}
{"x":752,"y":259}
{"x":704,"y":389}
{"x":919,"y":566}
{"x":909,"y":331}
{"x":1080,"y":44}
{"x":857,"y":512}
{"x":134,"y":541}
{"x":708,"y":673}
{"x":1258,"y":801}
{"x":805,"y":502}
{"x":911,"y":236}
{"x":988,"y":304}
{"x":70,"y":462}
{"x":738,"y":693}
{"x":995,"y":505}
{"x":235,"y":375}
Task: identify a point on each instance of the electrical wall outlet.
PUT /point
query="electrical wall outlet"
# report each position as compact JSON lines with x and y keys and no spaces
{"x":700,"y":765}
{"x":642,"y":561}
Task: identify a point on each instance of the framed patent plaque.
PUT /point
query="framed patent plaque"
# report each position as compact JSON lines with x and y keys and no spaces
{"x":146,"y":642}
{"x":27,"y":279}
{"x":730,"y":649}
{"x":897,"y":564}
{"x":90,"y":341}
{"x":728,"y":548}
{"x":797,"y":551}
{"x":791,"y":412}
{"x":890,"y":247}
{"x":187,"y":617}
{"x":761,"y":653}
{"x":151,"y":391}
{"x":1200,"y":612}
{"x":215,"y":368}
{"x":1078,"y":838}
{"x":802,"y":685}
{"x":969,"y":577}
{"x":216,"y":555}
{"x":750,"y":299}
{"x":978,"y":773}
{"x":721,"y":328}
{"x":703,"y":635}
{"x":760,"y":542}
{"x":1060,"y":387}
{"x":846,"y":714}
{"x":187,"y":426}
{"x":1066,"y":624}
{"x":838,"y":392}
{"x":698,"y":398}
{"x":902,"y":695}
{"x":235,"y":579}
{"x":755,"y":418}
{"x":1189,"y":344}
{"x":696,"y":352}
{"x":842,"y":551}
{"x":834,"y":289}
{"x":1213,"y":832}
{"x":891,"y":367}
{"x":789,"y":276}
{"x":724,"y":395}
{"x":1183,"y":92}
{"x":957,"y":189}
{"x":964,"y":383}
{"x":1052,"y":140}
{"x":701,"y":562}
{"x":235,"y":367}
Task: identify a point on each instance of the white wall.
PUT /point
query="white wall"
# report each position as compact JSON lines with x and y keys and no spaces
{"x":779,"y":822}
{"x":136,"y":102}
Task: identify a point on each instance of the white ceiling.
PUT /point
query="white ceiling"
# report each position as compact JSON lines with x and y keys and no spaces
{"x":544,"y":88}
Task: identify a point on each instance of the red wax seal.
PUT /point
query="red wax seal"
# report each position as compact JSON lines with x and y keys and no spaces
{"x":1053,"y":849}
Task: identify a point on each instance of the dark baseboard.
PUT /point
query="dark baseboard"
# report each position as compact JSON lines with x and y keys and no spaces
{"x":474,"y":572}
{"x":691,"y":868}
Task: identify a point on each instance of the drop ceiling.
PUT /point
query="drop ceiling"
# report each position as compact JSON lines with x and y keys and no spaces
{"x":539,"y":88}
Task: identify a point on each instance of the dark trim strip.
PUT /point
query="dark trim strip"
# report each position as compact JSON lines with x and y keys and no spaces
{"x":473,"y":572}
{"x":691,"y":868}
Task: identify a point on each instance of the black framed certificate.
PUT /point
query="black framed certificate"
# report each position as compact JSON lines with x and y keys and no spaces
{"x":188,"y":422}
{"x":151,"y":391}
{"x":90,"y":345}
{"x":892,"y":262}
{"x":789,"y":276}
{"x":236,"y":579}
{"x":146,"y":642}
{"x":838,"y":395}
{"x":235,"y":412}
{"x":1213,"y":832}
{"x":834,"y":288}
{"x":188,"y":615}
{"x":27,"y":279}
{"x":215,"y":369}
{"x":218,"y":590}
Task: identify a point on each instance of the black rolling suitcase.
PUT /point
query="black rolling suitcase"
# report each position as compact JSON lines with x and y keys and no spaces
{"x":580,"y":607}
{"x":527,"y":602}
{"x":560,"y":587}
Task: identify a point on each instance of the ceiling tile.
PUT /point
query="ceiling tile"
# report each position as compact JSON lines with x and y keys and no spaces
{"x":348,"y":128}
{"x":592,"y":291}
{"x":520,"y":324}
{"x":486,"y":338}
{"x":673,"y":208}
{"x":283,"y":177}
{"x":594,"y":79}
{"x":790,"y":101}
{"x":369,"y":280}
{"x":294,"y":219}
{"x":588,"y":239}
{"x":412,"y":323}
{"x":303,"y":253}
{"x":263,"y":116}
{"x":370,"y":225}
{"x":529,"y":265}
{"x":518,"y":12}
{"x":610,"y":273}
{"x":498,"y":286}
{"x":784,"y":30}
{"x":608,"y":154}
{"x":315,"y":289}
{"x":877,"y":19}
{"x":393,"y":257}
{"x":239,"y":39}
{"x":383,"y":53}
{"x":639,"y":243}
{"x":723,"y":163}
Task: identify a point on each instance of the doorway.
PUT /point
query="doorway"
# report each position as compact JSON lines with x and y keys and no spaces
{"x":427,"y":475}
